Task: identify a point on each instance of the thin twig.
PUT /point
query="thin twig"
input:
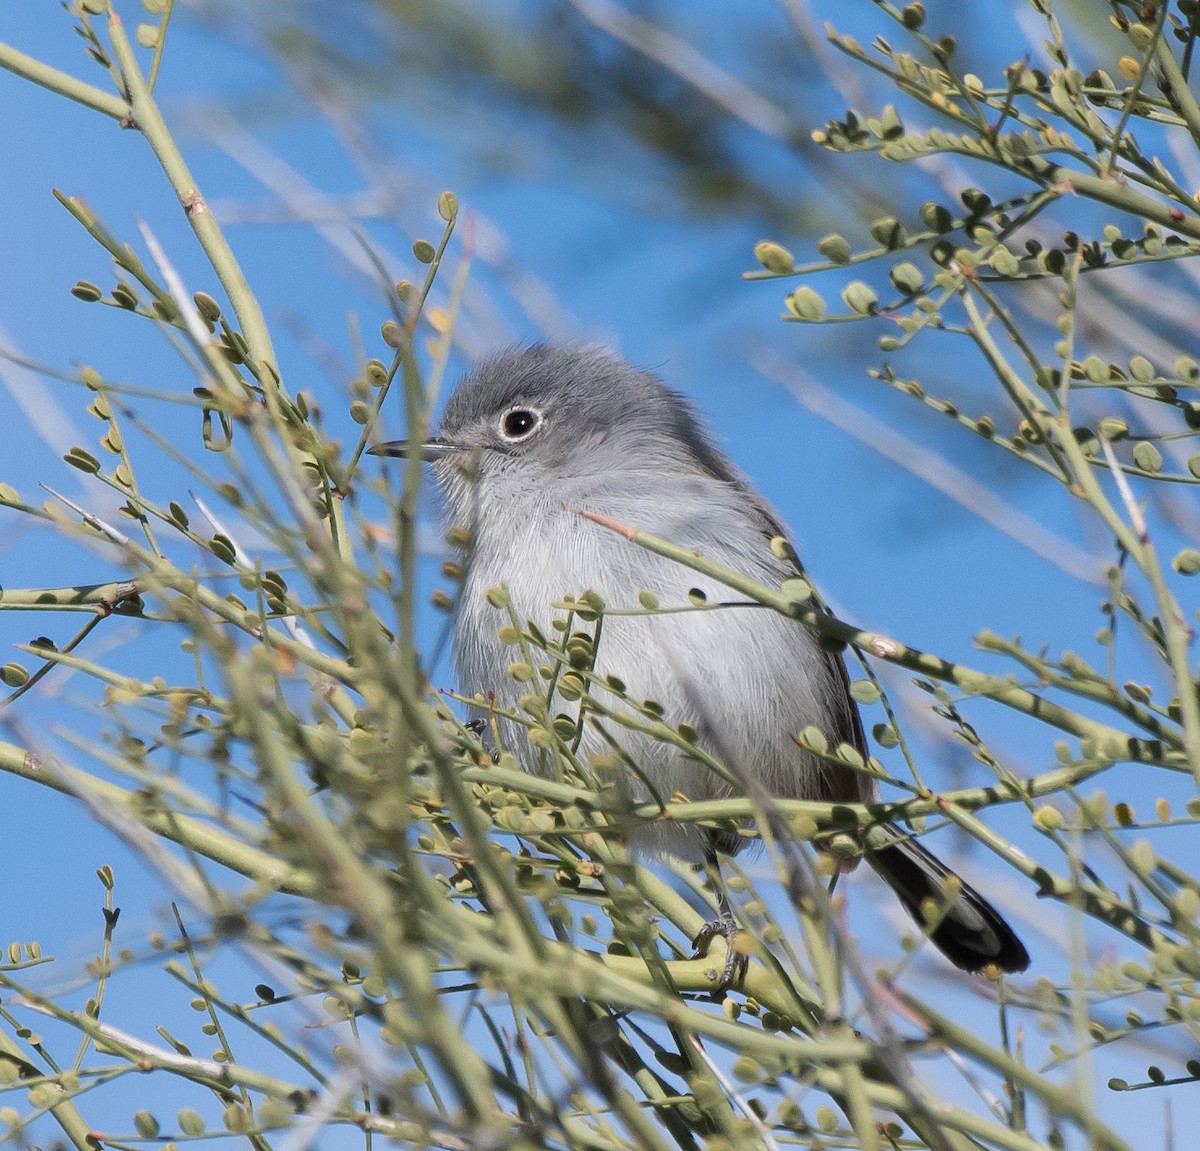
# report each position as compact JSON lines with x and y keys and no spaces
{"x":932,"y":469}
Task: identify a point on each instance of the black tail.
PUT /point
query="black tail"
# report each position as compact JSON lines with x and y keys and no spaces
{"x":972,"y":933}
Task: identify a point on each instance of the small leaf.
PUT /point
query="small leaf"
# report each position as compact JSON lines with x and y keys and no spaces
{"x":885,"y":735}
{"x":814,"y":739}
{"x":447,"y":206}
{"x":1113,"y":429}
{"x":222,"y":547}
{"x":84,"y":461}
{"x":864,"y":691}
{"x":1147,"y":456}
{"x":208,"y":308}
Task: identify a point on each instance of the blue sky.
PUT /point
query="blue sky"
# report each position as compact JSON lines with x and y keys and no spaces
{"x":569,"y":246}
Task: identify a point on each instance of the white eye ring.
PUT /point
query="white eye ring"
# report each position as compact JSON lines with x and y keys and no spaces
{"x":519,"y":423}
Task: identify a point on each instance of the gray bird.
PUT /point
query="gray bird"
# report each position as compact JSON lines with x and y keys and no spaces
{"x":534,"y":435}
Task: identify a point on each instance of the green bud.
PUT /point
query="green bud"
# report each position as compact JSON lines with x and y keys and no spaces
{"x":860,"y":298}
{"x":907,"y":278}
{"x":1141,"y":369}
{"x":834,"y":248}
{"x":805,"y":304}
{"x":774,"y":257}
{"x":1187,"y":562}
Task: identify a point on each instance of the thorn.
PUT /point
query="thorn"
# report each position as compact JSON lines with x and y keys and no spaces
{"x":89,"y":519}
{"x":604,"y":521}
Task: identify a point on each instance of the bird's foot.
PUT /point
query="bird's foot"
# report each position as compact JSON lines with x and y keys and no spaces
{"x":736,"y":960}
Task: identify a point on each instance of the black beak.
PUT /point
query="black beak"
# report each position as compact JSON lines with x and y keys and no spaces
{"x":430,"y":451}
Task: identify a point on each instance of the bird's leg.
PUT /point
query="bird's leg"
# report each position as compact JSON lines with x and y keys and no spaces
{"x":724,"y":925}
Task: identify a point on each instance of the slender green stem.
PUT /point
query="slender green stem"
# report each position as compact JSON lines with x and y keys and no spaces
{"x":1060,"y":1101}
{"x":66,"y":1114}
{"x":62,"y":83}
{"x":148,"y":119}
{"x":1133,"y":539}
{"x":159,"y":44}
{"x":1115,"y":742}
{"x":1177,"y":88}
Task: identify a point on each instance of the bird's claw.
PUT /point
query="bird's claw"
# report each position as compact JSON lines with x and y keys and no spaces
{"x":736,"y":961}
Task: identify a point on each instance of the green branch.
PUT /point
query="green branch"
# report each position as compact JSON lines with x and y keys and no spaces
{"x":63,"y":83}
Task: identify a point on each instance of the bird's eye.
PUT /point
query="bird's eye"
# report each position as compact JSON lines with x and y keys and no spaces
{"x":519,"y":423}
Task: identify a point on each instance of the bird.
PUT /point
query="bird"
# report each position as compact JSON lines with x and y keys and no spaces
{"x":537,"y":434}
